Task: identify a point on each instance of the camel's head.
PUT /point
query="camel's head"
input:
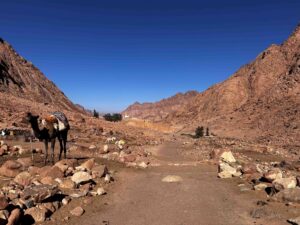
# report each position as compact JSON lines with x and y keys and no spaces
{"x":31,"y":118}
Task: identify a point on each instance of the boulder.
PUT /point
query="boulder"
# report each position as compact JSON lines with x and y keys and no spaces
{"x":66,"y":163}
{"x":10,"y":168}
{"x":288,"y":195}
{"x":285,"y":183}
{"x":38,"y":214}
{"x":78,"y":211}
{"x":273,"y":174}
{"x":39,"y":193}
{"x":24,"y":179}
{"x":81,"y":177}
{"x":227,"y":157}
{"x":53,"y":172}
{"x":227,"y":171}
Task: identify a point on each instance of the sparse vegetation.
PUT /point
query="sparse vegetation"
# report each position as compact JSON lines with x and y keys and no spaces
{"x":199,"y":132}
{"x":95,"y":114}
{"x":116,"y":117}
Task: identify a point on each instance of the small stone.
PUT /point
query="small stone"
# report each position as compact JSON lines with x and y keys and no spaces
{"x":78,"y":211}
{"x":107,"y":178}
{"x":67,"y":184}
{"x":81,"y":177}
{"x":92,"y":147}
{"x":143,"y":165}
{"x":88,"y":165}
{"x":99,"y":171}
{"x":105,"y":149}
{"x":172,"y":179}
{"x":4,"y":215}
{"x":66,"y":201}
{"x":48,"y":180}
{"x":260,"y":187}
{"x":101,"y":191}
{"x":3,"y":202}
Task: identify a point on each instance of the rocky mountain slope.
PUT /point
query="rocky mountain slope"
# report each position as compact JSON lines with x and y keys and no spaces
{"x":260,"y":101}
{"x":20,"y":78}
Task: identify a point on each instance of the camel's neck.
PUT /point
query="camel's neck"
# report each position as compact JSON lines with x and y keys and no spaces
{"x":36,"y":130}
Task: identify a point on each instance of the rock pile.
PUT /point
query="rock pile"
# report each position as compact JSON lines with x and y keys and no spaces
{"x":281,"y":180}
{"x":34,"y":194}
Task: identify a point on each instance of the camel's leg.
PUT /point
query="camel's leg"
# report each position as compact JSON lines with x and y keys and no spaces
{"x":65,"y":138}
{"x":46,"y":151}
{"x":61,"y":147}
{"x":52,"y":149}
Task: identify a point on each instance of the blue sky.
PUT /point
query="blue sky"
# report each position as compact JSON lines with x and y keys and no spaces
{"x":107,"y":54}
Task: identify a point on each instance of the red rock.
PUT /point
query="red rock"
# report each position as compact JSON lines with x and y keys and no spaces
{"x":3,"y":202}
{"x":129,"y":158}
{"x":23,"y":179}
{"x":53,"y":172}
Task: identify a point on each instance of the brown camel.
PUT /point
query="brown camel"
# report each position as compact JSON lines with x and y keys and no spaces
{"x":54,"y":126}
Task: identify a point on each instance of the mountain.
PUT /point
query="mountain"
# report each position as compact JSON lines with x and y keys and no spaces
{"x":160,"y":110}
{"x":19,"y":78}
{"x":260,"y":101}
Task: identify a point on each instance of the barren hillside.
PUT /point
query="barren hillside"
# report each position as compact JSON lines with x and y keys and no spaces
{"x":260,"y":101}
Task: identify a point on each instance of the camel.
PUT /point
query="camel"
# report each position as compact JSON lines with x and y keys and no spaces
{"x":54,"y":126}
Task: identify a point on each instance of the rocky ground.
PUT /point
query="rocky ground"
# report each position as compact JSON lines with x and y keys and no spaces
{"x":118,"y":181}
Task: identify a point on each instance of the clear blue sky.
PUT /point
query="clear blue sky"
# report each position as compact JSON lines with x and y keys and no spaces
{"x":107,"y":54}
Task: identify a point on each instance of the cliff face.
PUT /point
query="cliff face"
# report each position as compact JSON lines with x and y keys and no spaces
{"x":261,"y":100}
{"x":20,"y":78}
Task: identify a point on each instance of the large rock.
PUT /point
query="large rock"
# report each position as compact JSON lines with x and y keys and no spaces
{"x":288,"y":195}
{"x":39,"y":193}
{"x":285,"y":183}
{"x":227,"y":171}
{"x":38,"y":214}
{"x":48,"y":181}
{"x":10,"y":168}
{"x":67,"y":184}
{"x":273,"y":174}
{"x":227,"y":157}
{"x":23,"y":179}
{"x":81,"y":177}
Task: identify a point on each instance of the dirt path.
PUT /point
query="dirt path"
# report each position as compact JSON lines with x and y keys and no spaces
{"x":139,"y":197}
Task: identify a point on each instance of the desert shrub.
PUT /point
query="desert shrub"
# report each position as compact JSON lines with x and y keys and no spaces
{"x":199,"y":132}
{"x":113,"y":117}
{"x":95,"y":114}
